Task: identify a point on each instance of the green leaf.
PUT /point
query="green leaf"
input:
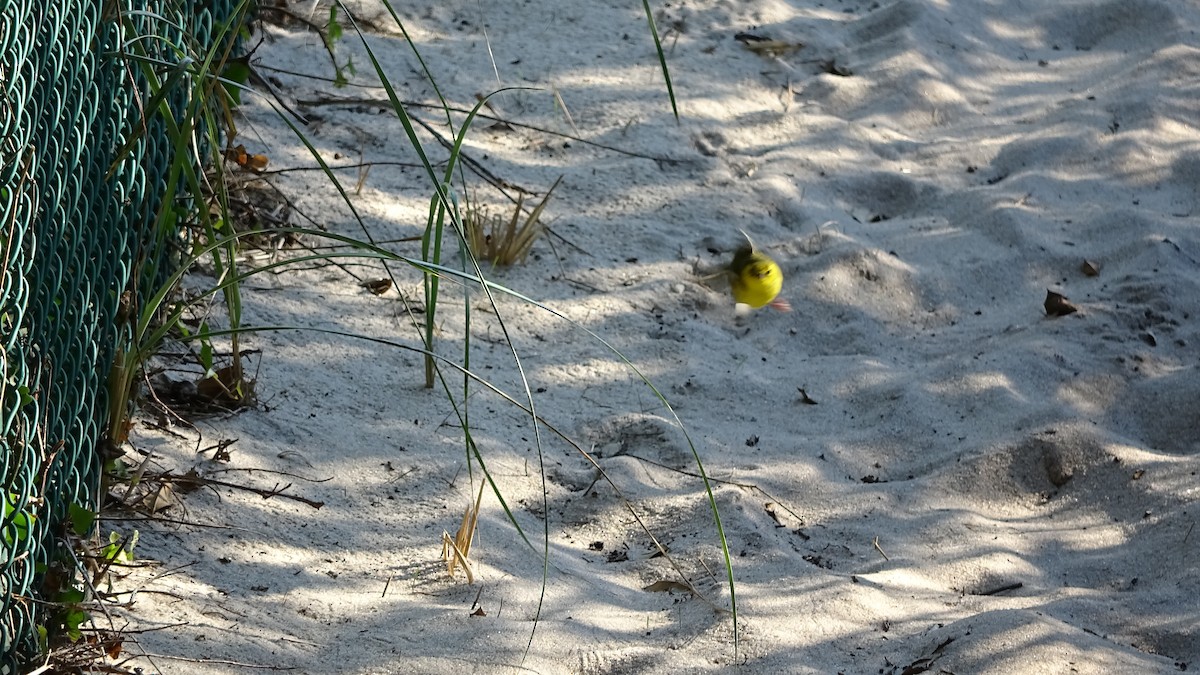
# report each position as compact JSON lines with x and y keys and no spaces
{"x":70,"y":596}
{"x":18,"y":524}
{"x":82,"y":519}
{"x":72,"y":619}
{"x":206,"y":353}
{"x":237,"y":70}
{"x":115,"y":552}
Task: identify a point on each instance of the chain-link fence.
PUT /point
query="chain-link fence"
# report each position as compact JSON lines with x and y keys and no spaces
{"x":82,"y":176}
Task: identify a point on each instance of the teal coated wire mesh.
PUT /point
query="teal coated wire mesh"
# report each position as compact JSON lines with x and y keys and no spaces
{"x":82,"y":177}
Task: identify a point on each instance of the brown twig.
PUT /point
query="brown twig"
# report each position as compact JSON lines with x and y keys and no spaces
{"x":491,"y":118}
{"x":878,"y":548}
{"x":195,"y":480}
{"x":222,"y":662}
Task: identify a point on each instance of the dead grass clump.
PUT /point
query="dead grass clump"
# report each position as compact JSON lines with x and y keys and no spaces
{"x":503,"y":241}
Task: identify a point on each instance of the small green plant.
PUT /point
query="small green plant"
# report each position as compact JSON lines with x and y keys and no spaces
{"x":18,"y":522}
{"x":502,"y":241}
{"x":71,"y":615}
{"x":205,"y":121}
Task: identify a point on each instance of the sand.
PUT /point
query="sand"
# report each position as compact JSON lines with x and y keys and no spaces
{"x":978,"y":488}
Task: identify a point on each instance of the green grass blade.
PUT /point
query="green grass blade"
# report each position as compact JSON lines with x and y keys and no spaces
{"x":662,"y":57}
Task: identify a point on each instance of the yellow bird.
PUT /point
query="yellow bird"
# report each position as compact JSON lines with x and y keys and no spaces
{"x":755,"y":279}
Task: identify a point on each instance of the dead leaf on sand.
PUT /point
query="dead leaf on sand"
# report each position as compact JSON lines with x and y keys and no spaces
{"x":765,"y":46}
{"x":377,"y":286}
{"x":667,"y":585}
{"x":1057,"y":305}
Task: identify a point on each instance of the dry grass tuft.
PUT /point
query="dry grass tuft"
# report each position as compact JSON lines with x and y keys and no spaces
{"x":504,"y":242}
{"x":456,"y":549}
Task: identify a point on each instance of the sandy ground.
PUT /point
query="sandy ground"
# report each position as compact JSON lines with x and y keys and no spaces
{"x":980,"y":488}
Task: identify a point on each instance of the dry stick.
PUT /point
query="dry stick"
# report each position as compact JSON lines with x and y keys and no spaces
{"x":356,"y":165}
{"x":223,"y":662}
{"x":877,"y":548}
{"x":161,"y":575}
{"x":319,"y":30}
{"x":471,"y":164}
{"x":263,"y":82}
{"x":475,"y":166}
{"x":291,"y":205}
{"x":170,"y":521}
{"x":492,"y":118}
{"x":274,"y":472}
{"x":200,"y":481}
{"x":90,"y":581}
{"x":169,"y":410}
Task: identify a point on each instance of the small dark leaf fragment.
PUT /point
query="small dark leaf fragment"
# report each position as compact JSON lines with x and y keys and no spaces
{"x":1057,"y":305}
{"x":743,"y":36}
{"x":377,"y":286}
{"x":805,"y":398}
{"x":1090,"y":268}
{"x":833,"y":68}
{"x":667,"y":586}
{"x":618,"y":556}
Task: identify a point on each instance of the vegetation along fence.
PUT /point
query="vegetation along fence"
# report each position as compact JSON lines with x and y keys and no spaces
{"x":84,"y":160}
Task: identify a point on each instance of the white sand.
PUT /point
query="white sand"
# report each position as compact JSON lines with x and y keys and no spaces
{"x":976,"y":155}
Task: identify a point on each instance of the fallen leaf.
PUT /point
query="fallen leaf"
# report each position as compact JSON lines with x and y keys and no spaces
{"x":114,"y":649}
{"x":377,"y":286}
{"x":804,"y":397}
{"x":765,"y":46}
{"x":834,"y":68}
{"x":1057,"y":305}
{"x":225,"y":386}
{"x":255,"y":163}
{"x":618,"y":556}
{"x":1090,"y":268}
{"x":667,"y":585}
{"x":747,"y":38}
{"x":158,"y":500}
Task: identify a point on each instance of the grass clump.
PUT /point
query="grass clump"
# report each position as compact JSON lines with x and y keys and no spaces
{"x":504,"y":242}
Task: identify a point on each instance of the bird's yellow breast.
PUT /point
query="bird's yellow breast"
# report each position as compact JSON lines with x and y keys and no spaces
{"x":755,"y":279}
